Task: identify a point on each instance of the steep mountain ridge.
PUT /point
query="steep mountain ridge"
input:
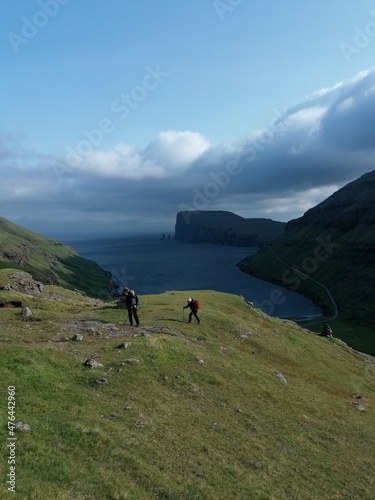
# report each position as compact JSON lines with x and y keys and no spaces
{"x":344,"y":209}
{"x":50,"y":261}
{"x":333,"y":244}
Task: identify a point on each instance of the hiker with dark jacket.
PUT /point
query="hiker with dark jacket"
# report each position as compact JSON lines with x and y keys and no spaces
{"x":192,"y":304}
{"x":131,"y":301}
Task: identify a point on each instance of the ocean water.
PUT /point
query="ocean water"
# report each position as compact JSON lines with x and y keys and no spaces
{"x":151,"y":265}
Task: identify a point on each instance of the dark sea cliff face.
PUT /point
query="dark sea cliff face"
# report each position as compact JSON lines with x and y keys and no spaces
{"x":225,"y":228}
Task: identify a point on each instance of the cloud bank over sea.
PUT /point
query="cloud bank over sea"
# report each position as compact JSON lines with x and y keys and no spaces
{"x":305,"y":154}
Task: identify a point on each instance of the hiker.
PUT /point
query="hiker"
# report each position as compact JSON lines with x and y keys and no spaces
{"x":327,"y":331}
{"x":194,"y":306}
{"x":132,"y":305}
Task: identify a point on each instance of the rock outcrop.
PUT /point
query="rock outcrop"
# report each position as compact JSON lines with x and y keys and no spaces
{"x":225,"y":228}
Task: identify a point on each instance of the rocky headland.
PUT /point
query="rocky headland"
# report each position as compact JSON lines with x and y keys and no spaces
{"x":225,"y":228}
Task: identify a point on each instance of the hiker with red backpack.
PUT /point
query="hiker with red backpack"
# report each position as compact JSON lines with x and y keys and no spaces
{"x":194,"y":306}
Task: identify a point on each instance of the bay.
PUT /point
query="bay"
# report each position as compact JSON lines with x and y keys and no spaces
{"x":151,"y":265}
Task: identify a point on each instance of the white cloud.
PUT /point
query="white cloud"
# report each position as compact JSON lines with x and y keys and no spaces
{"x":170,"y":153}
{"x":174,"y":149}
{"x":309,"y":151}
{"x":305,"y":117}
{"x":122,"y":162}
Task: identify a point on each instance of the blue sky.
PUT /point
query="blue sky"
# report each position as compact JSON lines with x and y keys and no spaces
{"x":116,"y":114}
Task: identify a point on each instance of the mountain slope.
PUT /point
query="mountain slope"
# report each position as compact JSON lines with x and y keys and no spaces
{"x":50,"y":262}
{"x":218,"y":226}
{"x":243,"y":406}
{"x":332,"y":243}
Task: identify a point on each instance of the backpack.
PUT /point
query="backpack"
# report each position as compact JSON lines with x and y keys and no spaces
{"x":197,"y":304}
{"x":133,"y":298}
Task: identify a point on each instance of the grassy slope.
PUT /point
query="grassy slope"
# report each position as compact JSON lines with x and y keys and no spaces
{"x":172,"y":427}
{"x":348,"y":271}
{"x":43,"y":258}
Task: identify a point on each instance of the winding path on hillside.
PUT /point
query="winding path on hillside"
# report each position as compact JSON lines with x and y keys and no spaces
{"x":335,"y":308}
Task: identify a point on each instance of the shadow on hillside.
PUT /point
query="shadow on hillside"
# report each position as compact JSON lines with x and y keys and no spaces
{"x":76,"y":273}
{"x":171,"y":319}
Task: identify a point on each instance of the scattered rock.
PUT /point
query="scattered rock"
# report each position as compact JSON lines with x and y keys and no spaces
{"x":124,"y":345}
{"x":77,"y":337}
{"x":92,"y":363}
{"x":359,"y":407}
{"x":245,"y":335}
{"x":146,"y":331}
{"x":26,"y":312}
{"x":21,"y":426}
{"x":130,"y":361}
{"x":193,"y":388}
{"x":281,"y":377}
{"x":23,"y":282}
{"x":102,"y":381}
{"x":141,"y":424}
{"x":223,"y":349}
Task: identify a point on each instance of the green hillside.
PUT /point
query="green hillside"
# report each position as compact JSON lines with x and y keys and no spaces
{"x":330,"y":247}
{"x":243,"y":406}
{"x":50,"y":262}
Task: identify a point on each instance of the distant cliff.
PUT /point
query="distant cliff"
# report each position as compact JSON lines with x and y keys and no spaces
{"x":225,"y":228}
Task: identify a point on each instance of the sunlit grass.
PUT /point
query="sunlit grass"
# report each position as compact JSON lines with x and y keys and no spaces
{"x":203,"y":415}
